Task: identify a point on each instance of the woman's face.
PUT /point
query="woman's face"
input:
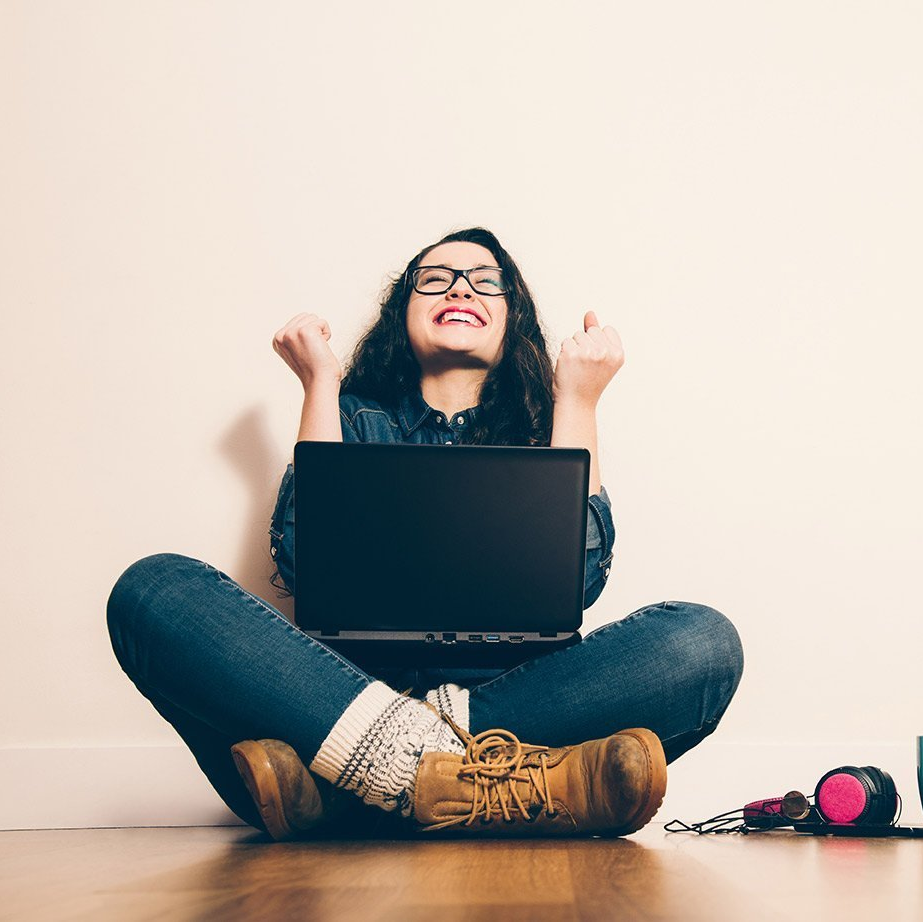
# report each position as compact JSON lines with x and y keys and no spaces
{"x":439,"y":345}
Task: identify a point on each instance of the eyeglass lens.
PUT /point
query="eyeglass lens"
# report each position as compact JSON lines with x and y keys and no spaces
{"x":437,"y":280}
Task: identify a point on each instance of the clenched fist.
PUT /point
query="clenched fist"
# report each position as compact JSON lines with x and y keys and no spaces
{"x":303,"y":343}
{"x":587,"y":362}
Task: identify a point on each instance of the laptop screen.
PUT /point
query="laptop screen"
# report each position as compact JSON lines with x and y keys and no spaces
{"x":430,"y":537}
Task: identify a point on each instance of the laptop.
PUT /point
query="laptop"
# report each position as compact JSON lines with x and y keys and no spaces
{"x":431,"y":554}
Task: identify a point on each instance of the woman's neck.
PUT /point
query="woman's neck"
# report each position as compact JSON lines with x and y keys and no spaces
{"x":453,"y":390}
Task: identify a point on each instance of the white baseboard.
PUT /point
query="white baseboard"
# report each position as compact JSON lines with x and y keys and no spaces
{"x":112,"y":786}
{"x":163,"y":786}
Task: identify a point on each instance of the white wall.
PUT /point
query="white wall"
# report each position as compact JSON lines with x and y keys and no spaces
{"x":735,"y":187}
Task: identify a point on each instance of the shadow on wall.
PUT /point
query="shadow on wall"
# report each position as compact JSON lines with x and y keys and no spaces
{"x":251,"y":448}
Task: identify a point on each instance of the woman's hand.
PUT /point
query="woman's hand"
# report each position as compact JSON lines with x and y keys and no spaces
{"x":587,"y":362}
{"x":302,"y":342}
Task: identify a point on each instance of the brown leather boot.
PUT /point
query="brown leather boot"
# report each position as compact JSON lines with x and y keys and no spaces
{"x":500,"y":786}
{"x":291,"y":801}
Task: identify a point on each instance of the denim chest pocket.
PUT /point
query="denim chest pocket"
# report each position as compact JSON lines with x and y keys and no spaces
{"x":375,"y":426}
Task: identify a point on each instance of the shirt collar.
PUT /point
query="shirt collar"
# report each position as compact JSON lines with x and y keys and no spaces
{"x":414,"y":410}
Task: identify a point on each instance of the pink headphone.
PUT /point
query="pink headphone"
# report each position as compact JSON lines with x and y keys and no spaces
{"x":847,"y":800}
{"x":858,"y":796}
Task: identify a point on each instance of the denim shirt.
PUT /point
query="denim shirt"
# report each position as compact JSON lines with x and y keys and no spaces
{"x":415,"y":422}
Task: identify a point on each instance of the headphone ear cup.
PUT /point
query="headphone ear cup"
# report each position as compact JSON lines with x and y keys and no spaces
{"x":883,"y":807}
{"x":842,"y":795}
{"x":856,"y":796}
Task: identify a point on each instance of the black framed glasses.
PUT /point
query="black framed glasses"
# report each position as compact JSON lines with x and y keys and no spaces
{"x":437,"y":280}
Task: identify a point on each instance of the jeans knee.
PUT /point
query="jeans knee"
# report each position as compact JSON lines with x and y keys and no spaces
{"x":724,"y":640}
{"x":137,"y":581}
{"x":711,"y":639}
{"x":127,"y":606}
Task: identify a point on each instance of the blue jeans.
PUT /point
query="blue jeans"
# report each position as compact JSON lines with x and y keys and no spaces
{"x":222,"y":665}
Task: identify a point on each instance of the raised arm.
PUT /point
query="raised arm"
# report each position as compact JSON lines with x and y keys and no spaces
{"x":574,"y":426}
{"x":586,"y":364}
{"x":304,"y":345}
{"x":320,"y":414}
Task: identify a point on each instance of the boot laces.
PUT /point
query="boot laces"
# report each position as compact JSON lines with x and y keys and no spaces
{"x":493,"y":761}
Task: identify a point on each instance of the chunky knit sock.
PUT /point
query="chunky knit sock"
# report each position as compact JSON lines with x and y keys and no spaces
{"x":451,"y":700}
{"x":374,"y":748}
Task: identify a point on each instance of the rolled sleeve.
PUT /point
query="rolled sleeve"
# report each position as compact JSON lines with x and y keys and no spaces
{"x":600,"y":531}
{"x":282,"y":530}
{"x":600,"y":542}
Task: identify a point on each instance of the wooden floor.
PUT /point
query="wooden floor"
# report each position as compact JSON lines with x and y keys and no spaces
{"x":228,"y":873}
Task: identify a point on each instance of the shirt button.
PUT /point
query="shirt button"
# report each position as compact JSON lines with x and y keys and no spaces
{"x":607,"y":571}
{"x":448,"y":441}
{"x":460,"y":420}
{"x":438,"y":419}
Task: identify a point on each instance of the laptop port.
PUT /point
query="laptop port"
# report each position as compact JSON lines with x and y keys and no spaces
{"x":493,"y":638}
{"x":448,"y":637}
{"x":516,"y":638}
{"x":429,"y":638}
{"x":475,"y":638}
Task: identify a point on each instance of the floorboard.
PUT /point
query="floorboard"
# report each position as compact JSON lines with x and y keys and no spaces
{"x":228,"y":873}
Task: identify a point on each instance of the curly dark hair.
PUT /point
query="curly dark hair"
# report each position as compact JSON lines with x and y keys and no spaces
{"x":516,"y":396}
{"x":516,"y":402}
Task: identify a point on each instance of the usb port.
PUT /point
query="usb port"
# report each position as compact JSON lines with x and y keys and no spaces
{"x":448,"y":638}
{"x":493,"y":638}
{"x":516,"y":638}
{"x":475,"y":638}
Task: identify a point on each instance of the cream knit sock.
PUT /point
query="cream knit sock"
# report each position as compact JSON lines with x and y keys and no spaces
{"x":374,"y":748}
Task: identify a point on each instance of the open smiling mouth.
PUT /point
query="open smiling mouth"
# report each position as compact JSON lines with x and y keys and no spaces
{"x":461,"y":318}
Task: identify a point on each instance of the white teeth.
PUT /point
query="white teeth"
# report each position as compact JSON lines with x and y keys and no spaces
{"x":460,"y":315}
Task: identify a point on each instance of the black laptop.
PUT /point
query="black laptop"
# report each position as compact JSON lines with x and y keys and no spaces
{"x":436,"y":554}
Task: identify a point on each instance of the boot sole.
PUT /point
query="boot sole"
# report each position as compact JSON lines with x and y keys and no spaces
{"x":657,"y":788}
{"x":258,"y":775}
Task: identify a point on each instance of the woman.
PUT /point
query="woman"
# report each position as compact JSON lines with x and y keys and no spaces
{"x":297,"y":740}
